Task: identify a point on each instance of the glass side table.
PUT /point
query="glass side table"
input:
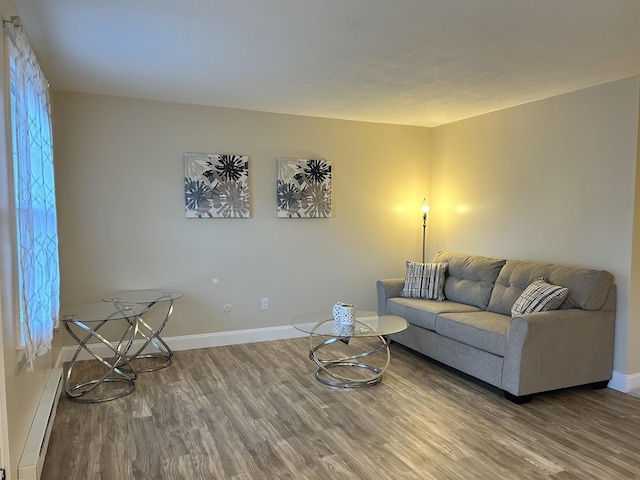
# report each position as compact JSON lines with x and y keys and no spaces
{"x":324,"y":331}
{"x":84,"y":322}
{"x":160,"y":353}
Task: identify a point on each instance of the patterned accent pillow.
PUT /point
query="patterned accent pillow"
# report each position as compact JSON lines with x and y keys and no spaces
{"x":425,"y":280}
{"x":539,"y":296}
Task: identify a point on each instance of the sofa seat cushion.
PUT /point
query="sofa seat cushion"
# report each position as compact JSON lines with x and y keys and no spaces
{"x":484,"y":330}
{"x":470,"y":277}
{"x":588,"y":289}
{"x":422,"y":312}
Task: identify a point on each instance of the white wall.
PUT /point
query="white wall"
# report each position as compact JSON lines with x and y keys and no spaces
{"x":119,"y":181}
{"x":551,"y":181}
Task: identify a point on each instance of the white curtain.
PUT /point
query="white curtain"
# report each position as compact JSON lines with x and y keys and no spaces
{"x":39,"y":276}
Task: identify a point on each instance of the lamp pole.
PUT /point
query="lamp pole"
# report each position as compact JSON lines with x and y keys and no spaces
{"x":425,"y":209}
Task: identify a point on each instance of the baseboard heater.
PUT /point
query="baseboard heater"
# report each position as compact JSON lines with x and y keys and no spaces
{"x":35,"y":450}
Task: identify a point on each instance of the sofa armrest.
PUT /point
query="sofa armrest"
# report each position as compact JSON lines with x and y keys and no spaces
{"x":388,"y":288}
{"x":557,"y":349}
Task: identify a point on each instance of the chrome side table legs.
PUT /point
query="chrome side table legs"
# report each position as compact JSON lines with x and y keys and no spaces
{"x":112,"y":351}
{"x":152,"y":338}
{"x":117,"y":377}
{"x":151,"y":351}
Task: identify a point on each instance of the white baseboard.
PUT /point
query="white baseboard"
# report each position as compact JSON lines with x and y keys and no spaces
{"x":206,"y":340}
{"x":35,"y":449}
{"x":624,"y":383}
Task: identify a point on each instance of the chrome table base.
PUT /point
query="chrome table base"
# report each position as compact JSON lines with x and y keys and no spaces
{"x":140,"y":347}
{"x":338,"y":367}
{"x":325,"y":372}
{"x":117,"y":369}
{"x":160,"y":356}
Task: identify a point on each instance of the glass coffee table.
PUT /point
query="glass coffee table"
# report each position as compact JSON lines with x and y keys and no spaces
{"x":324,"y":331}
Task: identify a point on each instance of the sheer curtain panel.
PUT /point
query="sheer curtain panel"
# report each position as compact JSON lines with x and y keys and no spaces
{"x":38,"y":272}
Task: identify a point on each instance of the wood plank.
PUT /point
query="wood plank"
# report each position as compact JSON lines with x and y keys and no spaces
{"x":256,"y":412}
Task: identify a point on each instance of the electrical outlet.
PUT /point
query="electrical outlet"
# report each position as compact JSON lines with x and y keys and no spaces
{"x":264,"y":304}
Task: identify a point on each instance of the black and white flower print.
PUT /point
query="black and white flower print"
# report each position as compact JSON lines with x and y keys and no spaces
{"x":216,"y":185}
{"x":304,"y":188}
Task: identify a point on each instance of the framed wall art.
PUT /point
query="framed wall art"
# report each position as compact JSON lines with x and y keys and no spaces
{"x":304,"y":188}
{"x":216,"y":185}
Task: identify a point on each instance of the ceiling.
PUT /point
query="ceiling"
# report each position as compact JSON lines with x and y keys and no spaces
{"x":409,"y":62}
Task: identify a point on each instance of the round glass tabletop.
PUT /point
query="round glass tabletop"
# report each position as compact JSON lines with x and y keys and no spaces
{"x":142,"y":296}
{"x":367,"y":324}
{"x":100,"y":311}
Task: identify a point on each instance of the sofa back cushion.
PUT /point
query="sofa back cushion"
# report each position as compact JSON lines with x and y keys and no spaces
{"x":471,"y":277}
{"x":588,"y":288}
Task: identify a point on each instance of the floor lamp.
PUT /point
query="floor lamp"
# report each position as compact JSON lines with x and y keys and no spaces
{"x":425,"y":209}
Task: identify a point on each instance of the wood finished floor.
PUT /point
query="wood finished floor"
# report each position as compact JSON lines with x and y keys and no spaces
{"x":255,"y":412}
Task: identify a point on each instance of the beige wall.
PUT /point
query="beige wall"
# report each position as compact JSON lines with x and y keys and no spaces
{"x":571,"y":160}
{"x":23,"y":389}
{"x":119,"y":181}
{"x":633,"y":333}
{"x":551,"y":181}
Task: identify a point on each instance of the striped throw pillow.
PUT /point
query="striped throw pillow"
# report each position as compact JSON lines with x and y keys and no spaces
{"x":425,"y":280}
{"x":539,"y":296}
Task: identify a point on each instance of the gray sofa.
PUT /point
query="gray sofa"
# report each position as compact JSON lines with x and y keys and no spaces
{"x":472,"y":329}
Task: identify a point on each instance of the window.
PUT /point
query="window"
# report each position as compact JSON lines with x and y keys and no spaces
{"x":35,"y":208}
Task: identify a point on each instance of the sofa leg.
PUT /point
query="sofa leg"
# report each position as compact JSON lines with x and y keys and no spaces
{"x":599,"y":385}
{"x":517,"y":399}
